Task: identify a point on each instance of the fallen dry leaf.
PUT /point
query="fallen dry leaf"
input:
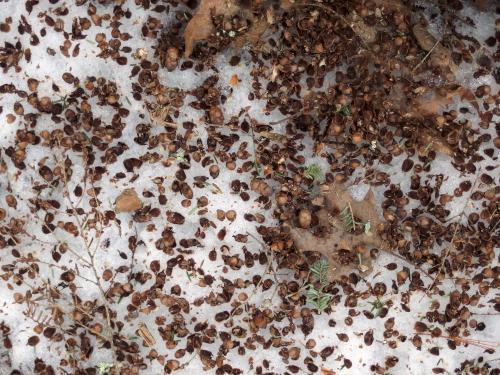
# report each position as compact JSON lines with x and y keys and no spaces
{"x":440,"y":56}
{"x":252,"y":36}
{"x":200,"y":26}
{"x":365,"y":32}
{"x":338,"y":240}
{"x":430,"y":104}
{"x":128,"y":201}
{"x":431,"y":139}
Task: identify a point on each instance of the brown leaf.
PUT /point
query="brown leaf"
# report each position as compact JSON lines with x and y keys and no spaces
{"x":367,"y":33}
{"x":440,"y":56}
{"x":430,"y":104}
{"x":428,"y":138}
{"x":345,"y":251}
{"x":252,"y":36}
{"x":200,"y":26}
{"x":128,"y":201}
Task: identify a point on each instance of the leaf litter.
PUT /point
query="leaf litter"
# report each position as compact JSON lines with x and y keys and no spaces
{"x":242,"y":132}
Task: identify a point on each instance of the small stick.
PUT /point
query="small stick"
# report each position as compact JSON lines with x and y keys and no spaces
{"x":479,"y":343}
{"x":441,"y":266}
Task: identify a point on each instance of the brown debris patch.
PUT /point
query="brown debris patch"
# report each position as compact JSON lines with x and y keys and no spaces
{"x":200,"y":27}
{"x":439,"y":56}
{"x":345,"y":248}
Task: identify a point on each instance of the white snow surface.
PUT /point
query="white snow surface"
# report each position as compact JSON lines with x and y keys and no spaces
{"x":48,"y":70}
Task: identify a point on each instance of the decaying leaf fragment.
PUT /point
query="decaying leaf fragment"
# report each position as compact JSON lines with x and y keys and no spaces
{"x":200,"y":26}
{"x":428,"y":139}
{"x":128,"y":201}
{"x":440,"y":55}
{"x":429,"y":103}
{"x":346,"y":250}
{"x":367,"y":33}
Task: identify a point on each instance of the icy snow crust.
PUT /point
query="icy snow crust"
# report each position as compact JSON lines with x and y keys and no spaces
{"x":48,"y":69}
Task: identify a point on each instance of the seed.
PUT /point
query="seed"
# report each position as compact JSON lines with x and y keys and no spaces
{"x":389,"y":215}
{"x":11,"y":201}
{"x":32,"y":84}
{"x":216,"y":116}
{"x":304,"y":218}
{"x":4,"y":27}
{"x":107,"y":274}
{"x":260,"y":320}
{"x":231,"y":215}
{"x":486,"y":179}
{"x":214,"y":170}
{"x":221,"y":215}
{"x":407,"y":165}
{"x":401,"y":277}
{"x":19,"y":109}
{"x":310,"y":344}
{"x":33,"y":341}
{"x":175,"y":218}
{"x":357,"y":137}
{"x":255,"y":185}
{"x":68,"y":276}
{"x":68,"y":77}
{"x":202,"y":202}
{"x":97,"y":327}
{"x":281,"y":199}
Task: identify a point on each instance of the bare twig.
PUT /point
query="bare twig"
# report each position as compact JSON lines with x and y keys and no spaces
{"x":62,"y":268}
{"x":91,"y":254}
{"x":463,"y":340}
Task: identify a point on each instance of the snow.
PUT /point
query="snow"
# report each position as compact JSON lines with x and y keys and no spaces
{"x":48,"y":70}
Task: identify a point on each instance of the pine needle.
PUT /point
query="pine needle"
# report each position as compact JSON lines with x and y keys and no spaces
{"x":315,"y":296}
{"x":349,"y":221}
{"x":347,"y":217}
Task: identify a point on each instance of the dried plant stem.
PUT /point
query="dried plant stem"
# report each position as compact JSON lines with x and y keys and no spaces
{"x":455,"y":232}
{"x":62,"y":268}
{"x":94,"y":332}
{"x":462,"y":340}
{"x":91,"y":254}
{"x":443,"y":261}
{"x":407,"y":261}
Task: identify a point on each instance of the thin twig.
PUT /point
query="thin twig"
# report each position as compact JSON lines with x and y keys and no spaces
{"x":458,"y":225}
{"x":443,"y":261}
{"x":62,"y":268}
{"x":462,"y":340}
{"x":94,"y":332}
{"x":91,"y":255}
